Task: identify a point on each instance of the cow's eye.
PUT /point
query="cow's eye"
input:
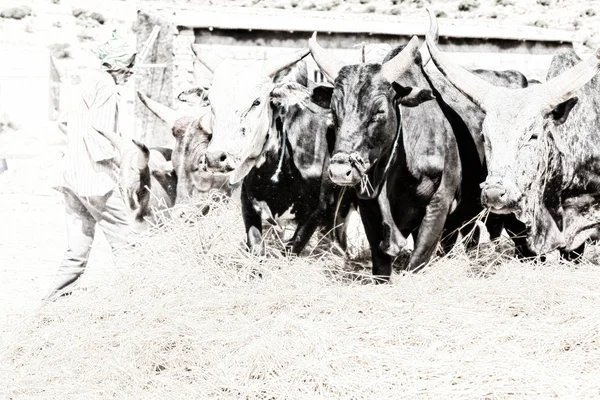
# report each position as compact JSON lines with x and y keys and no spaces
{"x":256,"y":103}
{"x":378,"y":114}
{"x":533,"y":136}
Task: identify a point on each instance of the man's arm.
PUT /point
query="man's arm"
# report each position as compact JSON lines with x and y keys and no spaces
{"x":102,"y":115}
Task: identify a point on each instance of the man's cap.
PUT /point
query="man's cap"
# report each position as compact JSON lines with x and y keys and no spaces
{"x":116,"y":53}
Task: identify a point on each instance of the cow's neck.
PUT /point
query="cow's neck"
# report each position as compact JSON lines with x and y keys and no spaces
{"x":377,"y":175}
{"x":275,"y":156}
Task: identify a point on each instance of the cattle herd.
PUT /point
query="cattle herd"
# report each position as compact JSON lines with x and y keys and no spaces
{"x":414,"y":142}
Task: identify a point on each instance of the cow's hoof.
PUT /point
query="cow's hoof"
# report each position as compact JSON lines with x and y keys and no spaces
{"x":381,"y":279}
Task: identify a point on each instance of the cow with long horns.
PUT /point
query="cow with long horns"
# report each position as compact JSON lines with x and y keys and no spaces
{"x":269,"y":134}
{"x":397,"y":148}
{"x":571,"y":184}
{"x":517,"y":128}
{"x":462,"y":108}
{"x":432,"y":186}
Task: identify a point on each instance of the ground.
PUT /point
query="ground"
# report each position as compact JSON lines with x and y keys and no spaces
{"x":32,"y":236}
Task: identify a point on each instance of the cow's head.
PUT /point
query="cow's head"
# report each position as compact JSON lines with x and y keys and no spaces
{"x":514,"y":120}
{"x":240,"y":99}
{"x":194,"y":183}
{"x":364,"y":106}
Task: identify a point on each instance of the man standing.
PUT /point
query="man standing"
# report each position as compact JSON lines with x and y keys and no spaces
{"x":90,"y":177}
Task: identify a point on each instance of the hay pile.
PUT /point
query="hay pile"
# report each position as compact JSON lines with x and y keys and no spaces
{"x":192,"y":316}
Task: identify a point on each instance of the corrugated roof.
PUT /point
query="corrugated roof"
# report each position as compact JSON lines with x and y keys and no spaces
{"x":215,"y":17}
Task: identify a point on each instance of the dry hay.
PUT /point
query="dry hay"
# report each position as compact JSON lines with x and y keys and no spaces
{"x":193,"y":316}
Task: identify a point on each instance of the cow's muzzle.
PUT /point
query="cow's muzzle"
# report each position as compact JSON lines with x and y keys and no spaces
{"x":218,"y":161}
{"x":499,"y":195}
{"x":345,"y":170}
{"x":343,"y":174}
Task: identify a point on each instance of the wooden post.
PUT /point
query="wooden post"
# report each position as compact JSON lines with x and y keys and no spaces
{"x":155,"y":82}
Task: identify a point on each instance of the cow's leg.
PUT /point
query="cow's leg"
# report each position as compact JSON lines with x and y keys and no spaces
{"x":252,"y":224}
{"x":574,"y":255}
{"x":494,"y":224}
{"x":393,"y":241}
{"x":372,"y":222}
{"x":518,"y":233}
{"x":306,"y":228}
{"x":470,"y":235}
{"x":430,"y":231}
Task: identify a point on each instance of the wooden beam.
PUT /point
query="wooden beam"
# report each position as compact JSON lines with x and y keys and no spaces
{"x":246,"y":18}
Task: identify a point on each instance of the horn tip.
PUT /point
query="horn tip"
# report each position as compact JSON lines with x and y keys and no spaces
{"x":141,"y":95}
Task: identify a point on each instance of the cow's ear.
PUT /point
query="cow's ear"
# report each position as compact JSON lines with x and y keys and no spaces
{"x":287,"y":94}
{"x":561,"y":111}
{"x":411,"y":96}
{"x":321,"y":96}
{"x":196,"y":96}
{"x":205,"y":122}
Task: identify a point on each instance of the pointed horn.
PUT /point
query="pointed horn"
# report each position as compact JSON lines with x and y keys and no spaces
{"x":394,"y":68}
{"x":166,"y":114}
{"x":470,"y":85}
{"x":143,"y":155}
{"x":327,"y":62}
{"x":117,"y":141}
{"x":209,"y":59}
{"x":562,"y":87}
{"x":434,"y":33}
{"x":274,"y":65}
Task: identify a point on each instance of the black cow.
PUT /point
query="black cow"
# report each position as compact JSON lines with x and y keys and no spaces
{"x":417,"y":179}
{"x":270,"y":134}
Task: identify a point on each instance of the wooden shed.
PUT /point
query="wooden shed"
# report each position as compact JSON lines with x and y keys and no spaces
{"x":253,"y":33}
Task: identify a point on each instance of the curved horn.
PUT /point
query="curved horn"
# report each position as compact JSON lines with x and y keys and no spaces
{"x":562,"y":87}
{"x":470,"y":85}
{"x":434,"y":33}
{"x":117,"y":141}
{"x":274,"y":65}
{"x":327,"y":62}
{"x":394,"y":68}
{"x":166,"y":114}
{"x":143,"y":155}
{"x":208,"y":59}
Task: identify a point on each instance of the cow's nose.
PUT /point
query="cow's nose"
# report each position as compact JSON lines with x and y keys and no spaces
{"x":494,"y":195}
{"x":217,"y":161}
{"x":343,"y":174}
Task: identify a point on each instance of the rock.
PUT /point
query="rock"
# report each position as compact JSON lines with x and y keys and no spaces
{"x":18,"y":12}
{"x":468,"y":5}
{"x":60,"y":50}
{"x":86,"y":15}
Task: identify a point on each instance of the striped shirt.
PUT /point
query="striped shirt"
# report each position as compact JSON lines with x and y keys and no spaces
{"x":88,"y":169}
